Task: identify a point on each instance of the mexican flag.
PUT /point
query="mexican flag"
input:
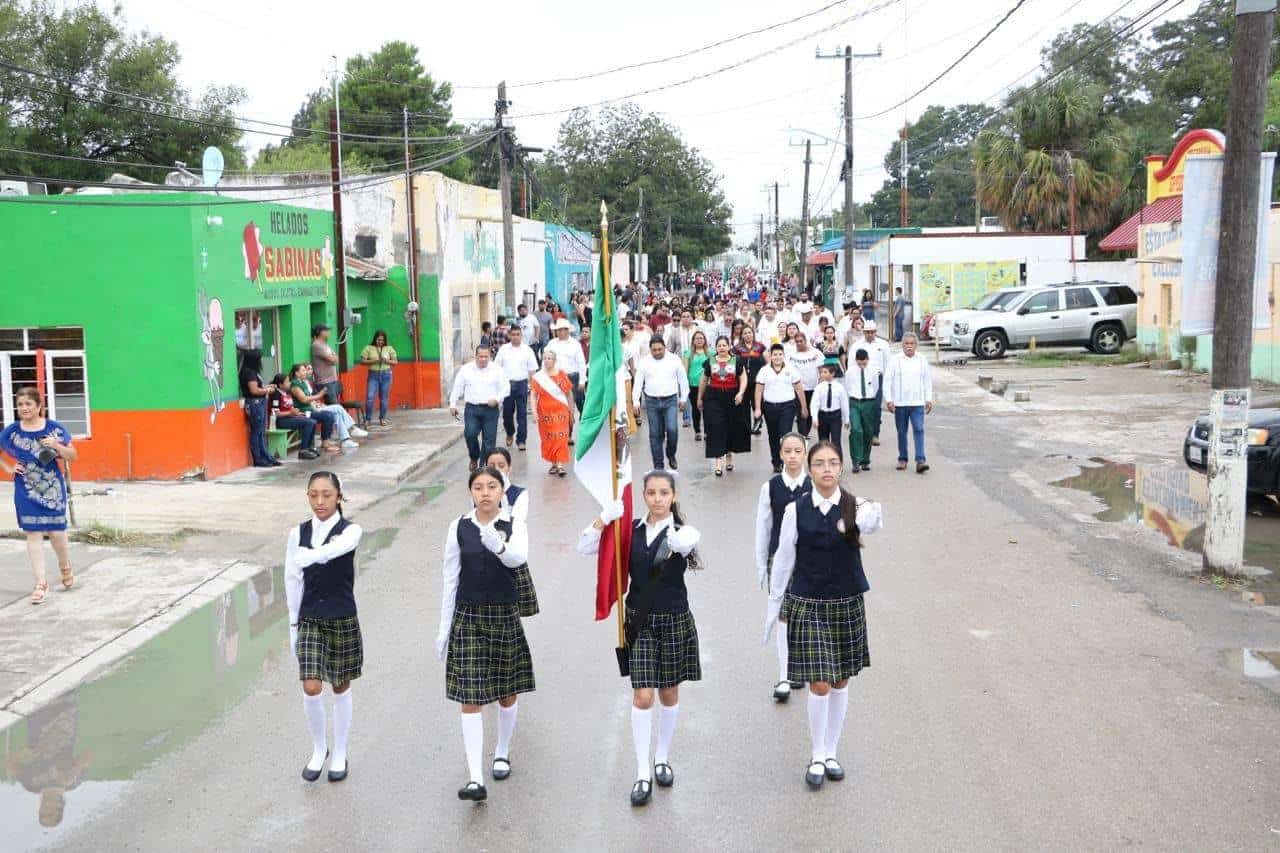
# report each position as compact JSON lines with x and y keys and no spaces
{"x":606,"y":471}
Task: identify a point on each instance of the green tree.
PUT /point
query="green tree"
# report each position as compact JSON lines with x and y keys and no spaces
{"x":99,"y":92}
{"x":939,"y":168}
{"x":1025,"y":158}
{"x":622,"y":149}
{"x":373,"y":92}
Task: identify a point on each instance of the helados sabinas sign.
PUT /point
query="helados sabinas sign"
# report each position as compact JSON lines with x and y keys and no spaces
{"x":290,"y":259}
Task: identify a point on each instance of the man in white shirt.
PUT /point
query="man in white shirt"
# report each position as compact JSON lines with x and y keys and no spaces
{"x":767,"y":331}
{"x":662,"y":384}
{"x":529,"y":324}
{"x":862,"y":383}
{"x":518,"y":364}
{"x":878,"y":353}
{"x":779,"y":396}
{"x":805,"y":359}
{"x":482,"y":386}
{"x":908,"y":394}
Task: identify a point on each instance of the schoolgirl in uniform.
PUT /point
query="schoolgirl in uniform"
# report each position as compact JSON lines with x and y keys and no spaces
{"x":662,"y":637}
{"x":778,"y":493}
{"x":324,"y":632}
{"x":819,"y":556}
{"x":480,"y":638}
{"x":516,"y":498}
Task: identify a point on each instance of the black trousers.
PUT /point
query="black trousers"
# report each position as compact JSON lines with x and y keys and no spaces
{"x":805,"y":425}
{"x":696,"y":411}
{"x":829,"y":424}
{"x":779,"y":419}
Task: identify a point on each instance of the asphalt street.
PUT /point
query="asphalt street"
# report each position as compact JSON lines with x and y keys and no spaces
{"x":1016,"y":699}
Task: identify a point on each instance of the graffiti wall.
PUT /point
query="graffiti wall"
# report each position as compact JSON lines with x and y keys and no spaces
{"x":944,"y":287}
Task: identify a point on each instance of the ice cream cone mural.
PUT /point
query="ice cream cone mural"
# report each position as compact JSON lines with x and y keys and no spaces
{"x":213,"y":333}
{"x":251,"y":249}
{"x":326,"y":258}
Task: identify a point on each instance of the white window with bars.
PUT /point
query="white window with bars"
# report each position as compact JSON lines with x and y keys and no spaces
{"x":66,"y":378}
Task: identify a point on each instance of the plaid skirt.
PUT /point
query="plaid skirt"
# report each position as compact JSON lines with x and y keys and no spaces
{"x":488,"y":655}
{"x":665,"y":652}
{"x":826,"y":639}
{"x":330,"y":650}
{"x":528,"y":602}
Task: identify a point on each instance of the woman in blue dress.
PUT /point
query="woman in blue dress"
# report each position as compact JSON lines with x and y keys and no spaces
{"x":36,"y":444}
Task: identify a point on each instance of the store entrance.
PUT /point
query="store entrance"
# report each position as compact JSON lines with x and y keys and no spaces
{"x":259,"y":328}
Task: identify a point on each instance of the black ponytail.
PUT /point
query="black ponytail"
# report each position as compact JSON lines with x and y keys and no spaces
{"x":849,"y":515}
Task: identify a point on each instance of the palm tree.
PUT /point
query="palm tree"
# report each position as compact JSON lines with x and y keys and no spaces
{"x":1046,"y":138}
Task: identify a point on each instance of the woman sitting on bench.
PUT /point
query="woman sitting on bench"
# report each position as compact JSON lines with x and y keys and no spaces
{"x":288,"y":417}
{"x":308,"y":399}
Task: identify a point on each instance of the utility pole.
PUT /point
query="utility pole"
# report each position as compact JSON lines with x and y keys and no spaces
{"x":504,"y":187}
{"x":760,"y":245}
{"x":1233,"y":294}
{"x":846,"y":171}
{"x":777,"y":242}
{"x":1071,"y":210}
{"x":903,"y":207}
{"x":337,"y":106}
{"x":640,"y":235}
{"x":804,"y":224}
{"x":411,"y":265}
{"x":339,"y":251}
{"x":670,"y":253}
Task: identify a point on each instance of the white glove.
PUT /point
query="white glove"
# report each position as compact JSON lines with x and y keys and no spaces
{"x":442,"y":645}
{"x":683,"y":541}
{"x":771,"y":620}
{"x":762,"y":575}
{"x":293,"y":640}
{"x":612,"y":512}
{"x":492,"y":540}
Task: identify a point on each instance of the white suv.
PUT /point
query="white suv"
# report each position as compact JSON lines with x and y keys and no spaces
{"x":1099,"y":315}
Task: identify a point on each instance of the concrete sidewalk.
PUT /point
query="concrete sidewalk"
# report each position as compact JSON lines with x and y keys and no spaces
{"x":186,"y":543}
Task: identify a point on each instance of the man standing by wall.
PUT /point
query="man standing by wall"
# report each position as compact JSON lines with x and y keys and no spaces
{"x":324,"y":363}
{"x":518,"y":364}
{"x":908,"y":394}
{"x":482,"y":387}
{"x":662,"y":385}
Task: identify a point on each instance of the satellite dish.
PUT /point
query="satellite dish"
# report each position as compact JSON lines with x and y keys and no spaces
{"x":211,"y":167}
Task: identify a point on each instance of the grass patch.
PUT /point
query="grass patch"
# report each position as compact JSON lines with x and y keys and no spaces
{"x":1128,"y":355}
{"x":105,"y":534}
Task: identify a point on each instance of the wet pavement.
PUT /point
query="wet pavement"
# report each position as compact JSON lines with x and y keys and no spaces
{"x":1019,"y":697}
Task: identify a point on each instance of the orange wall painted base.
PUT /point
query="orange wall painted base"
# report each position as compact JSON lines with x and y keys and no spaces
{"x":425,"y":374}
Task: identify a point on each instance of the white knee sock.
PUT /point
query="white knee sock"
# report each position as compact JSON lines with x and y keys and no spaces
{"x":473,"y":741}
{"x":506,"y":728}
{"x":314,"y":706}
{"x":818,"y":725}
{"x":837,"y":706}
{"x":781,"y":632}
{"x":642,"y":733}
{"x":666,"y":731}
{"x":341,"y":729}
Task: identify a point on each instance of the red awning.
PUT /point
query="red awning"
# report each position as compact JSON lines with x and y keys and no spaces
{"x":1125,"y":237}
{"x":820,"y":259}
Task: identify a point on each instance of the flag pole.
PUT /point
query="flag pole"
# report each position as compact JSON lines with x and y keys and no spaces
{"x":613,"y":429}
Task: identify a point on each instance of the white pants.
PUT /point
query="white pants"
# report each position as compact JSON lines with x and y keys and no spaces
{"x":342,"y":421}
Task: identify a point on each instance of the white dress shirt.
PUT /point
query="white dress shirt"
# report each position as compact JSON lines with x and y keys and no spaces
{"x":806,"y":365}
{"x":853,"y":381}
{"x":660,"y":377}
{"x":767,"y":331}
{"x":513,"y":556}
{"x":764,"y":519}
{"x":909,"y":381}
{"x":517,"y":362}
{"x":297,"y":558}
{"x":777,"y":386}
{"x":568,"y":355}
{"x":531,"y":327}
{"x":839,"y":399}
{"x":869,"y":516}
{"x":477,"y":387}
{"x":877,"y":352}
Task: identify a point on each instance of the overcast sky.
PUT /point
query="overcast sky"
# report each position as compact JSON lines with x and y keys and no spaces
{"x":279,"y":50}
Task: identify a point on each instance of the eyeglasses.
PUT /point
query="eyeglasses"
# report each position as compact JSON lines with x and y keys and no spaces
{"x":825,"y":463}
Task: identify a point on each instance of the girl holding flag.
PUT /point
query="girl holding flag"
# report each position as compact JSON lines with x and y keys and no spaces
{"x":488,"y":657}
{"x":662,"y":638}
{"x":820,"y":542}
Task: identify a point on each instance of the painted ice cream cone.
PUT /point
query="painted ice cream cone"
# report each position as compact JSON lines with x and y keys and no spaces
{"x":217,"y":333}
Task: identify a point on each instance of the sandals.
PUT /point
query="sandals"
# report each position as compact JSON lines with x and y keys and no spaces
{"x":38,"y":594}
{"x":68,"y":577}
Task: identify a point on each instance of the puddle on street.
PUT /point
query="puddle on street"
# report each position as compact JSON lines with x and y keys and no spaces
{"x":375,"y":542}
{"x":1174,"y":502}
{"x":422,"y":495}
{"x":78,"y":754}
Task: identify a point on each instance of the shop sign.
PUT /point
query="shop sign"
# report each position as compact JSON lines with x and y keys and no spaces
{"x":1166,"y":175}
{"x":280,"y":268}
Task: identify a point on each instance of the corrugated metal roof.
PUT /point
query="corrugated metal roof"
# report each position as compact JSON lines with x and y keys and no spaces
{"x":865,"y":238}
{"x":1125,"y":237}
{"x":366,"y":270}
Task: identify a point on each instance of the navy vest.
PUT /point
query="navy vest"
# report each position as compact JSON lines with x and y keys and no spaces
{"x":827,"y":566}
{"x":779,"y":497}
{"x":328,"y":590}
{"x":484,"y":579}
{"x":671,"y":595}
{"x":513,"y":494}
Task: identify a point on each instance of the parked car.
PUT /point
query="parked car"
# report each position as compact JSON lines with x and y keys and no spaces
{"x":1262,"y":451}
{"x":1099,"y":316}
{"x":943,"y":324}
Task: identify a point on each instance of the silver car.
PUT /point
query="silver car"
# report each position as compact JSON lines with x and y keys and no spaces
{"x":1098,"y":315}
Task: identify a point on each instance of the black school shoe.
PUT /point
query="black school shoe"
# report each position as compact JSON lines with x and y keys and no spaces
{"x":312,"y":775}
{"x":834,"y":771}
{"x":503,"y":771}
{"x":339,"y":775}
{"x":473,"y":791}
{"x":664,"y":775}
{"x":814,"y":778}
{"x":640,"y":792}
{"x":782,"y":692}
